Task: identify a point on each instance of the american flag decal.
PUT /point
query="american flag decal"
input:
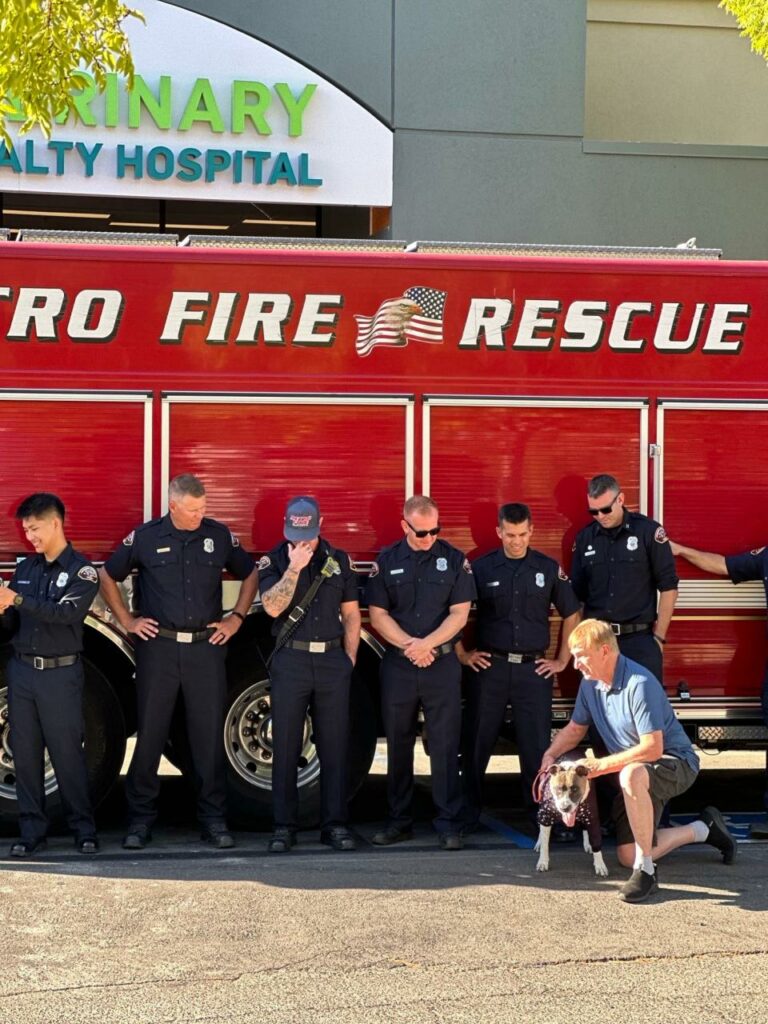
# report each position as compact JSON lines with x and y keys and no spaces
{"x":416,"y":316}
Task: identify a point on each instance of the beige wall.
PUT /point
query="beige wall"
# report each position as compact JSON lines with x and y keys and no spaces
{"x":672,"y":71}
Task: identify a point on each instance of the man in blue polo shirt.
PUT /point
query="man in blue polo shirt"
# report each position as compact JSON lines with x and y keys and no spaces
{"x":647,"y":747}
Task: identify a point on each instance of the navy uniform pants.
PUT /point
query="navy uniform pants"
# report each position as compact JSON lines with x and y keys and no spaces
{"x":642,"y":648}
{"x":489,"y":692}
{"x":165,"y":668}
{"x":46,"y":710}
{"x":319,"y":683}
{"x":438,"y":689}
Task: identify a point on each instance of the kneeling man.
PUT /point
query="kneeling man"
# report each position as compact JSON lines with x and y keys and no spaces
{"x":648,"y":749}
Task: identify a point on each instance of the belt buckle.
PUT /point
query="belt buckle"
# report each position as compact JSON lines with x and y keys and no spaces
{"x":515,"y":659}
{"x":615,"y":627}
{"x":184,"y":638}
{"x":317,"y":647}
{"x":38,"y":663}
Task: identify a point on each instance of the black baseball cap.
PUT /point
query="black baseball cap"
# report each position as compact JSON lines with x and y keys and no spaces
{"x":302,"y":519}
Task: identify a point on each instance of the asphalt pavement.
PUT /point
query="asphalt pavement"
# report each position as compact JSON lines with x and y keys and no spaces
{"x":180,"y":933}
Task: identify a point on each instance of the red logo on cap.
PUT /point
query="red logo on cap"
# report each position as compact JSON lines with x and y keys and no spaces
{"x":300,"y":521}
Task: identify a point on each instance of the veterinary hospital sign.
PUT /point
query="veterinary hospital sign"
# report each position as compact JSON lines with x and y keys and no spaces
{"x":214,"y":114}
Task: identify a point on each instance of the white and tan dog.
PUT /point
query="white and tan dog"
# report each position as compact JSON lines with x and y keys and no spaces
{"x":564,"y":794}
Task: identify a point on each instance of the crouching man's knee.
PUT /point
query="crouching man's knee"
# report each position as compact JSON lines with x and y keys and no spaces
{"x":633,"y":779}
{"x":626,"y":853}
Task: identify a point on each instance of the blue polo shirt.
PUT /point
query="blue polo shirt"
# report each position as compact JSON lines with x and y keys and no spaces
{"x":634,"y":705}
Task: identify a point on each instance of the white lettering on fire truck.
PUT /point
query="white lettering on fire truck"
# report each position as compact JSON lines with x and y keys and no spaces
{"x":630,"y":326}
{"x":41,"y":314}
{"x":263,"y":316}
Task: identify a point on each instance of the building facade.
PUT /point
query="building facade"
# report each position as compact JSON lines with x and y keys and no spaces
{"x":603,"y":122}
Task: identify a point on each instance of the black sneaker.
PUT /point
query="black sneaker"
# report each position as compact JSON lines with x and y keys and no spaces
{"x":391,"y":834}
{"x":23,"y":848}
{"x":719,"y":836}
{"x":137,"y":837}
{"x":282,"y":840}
{"x":218,"y":835}
{"x":87,"y":845}
{"x":451,"y":841}
{"x":339,"y":838}
{"x":639,"y":886}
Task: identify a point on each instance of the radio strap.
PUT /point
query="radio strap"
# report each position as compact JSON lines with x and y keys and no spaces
{"x":329,"y":568}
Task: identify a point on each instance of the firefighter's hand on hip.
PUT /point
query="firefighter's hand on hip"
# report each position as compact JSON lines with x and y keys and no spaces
{"x":142,"y":627}
{"x":224,"y":629}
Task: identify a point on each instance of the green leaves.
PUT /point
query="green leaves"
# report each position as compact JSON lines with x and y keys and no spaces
{"x":44,"y":44}
{"x":752,"y":16}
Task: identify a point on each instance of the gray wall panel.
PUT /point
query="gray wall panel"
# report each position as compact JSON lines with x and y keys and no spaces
{"x":350,"y":44}
{"x":489,"y":111}
{"x":486,"y":188}
{"x":509,"y":66}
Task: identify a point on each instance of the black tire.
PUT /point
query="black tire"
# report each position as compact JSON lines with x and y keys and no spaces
{"x":104,"y":747}
{"x":248,"y":744}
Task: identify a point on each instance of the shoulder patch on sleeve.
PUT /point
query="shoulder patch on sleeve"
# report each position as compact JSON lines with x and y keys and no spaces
{"x":661,"y":536}
{"x":264,"y":562}
{"x":89,"y":574}
{"x":757,"y":551}
{"x":128,"y":541}
{"x":562,"y":574}
{"x":466,"y":566}
{"x":235,"y":540}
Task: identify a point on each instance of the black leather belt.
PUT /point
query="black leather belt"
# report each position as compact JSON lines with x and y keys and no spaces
{"x":634,"y":627}
{"x":40,"y":663}
{"x":438,"y":652}
{"x":192,"y":637}
{"x":314,"y":646}
{"x":515,"y":657}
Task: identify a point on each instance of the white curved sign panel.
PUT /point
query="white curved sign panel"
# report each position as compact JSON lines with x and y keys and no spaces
{"x":215,"y":114}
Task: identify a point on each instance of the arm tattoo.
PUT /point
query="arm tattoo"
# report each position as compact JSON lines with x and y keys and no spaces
{"x":277,"y":598}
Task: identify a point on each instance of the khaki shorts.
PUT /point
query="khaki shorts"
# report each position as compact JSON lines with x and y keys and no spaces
{"x":668,"y":777}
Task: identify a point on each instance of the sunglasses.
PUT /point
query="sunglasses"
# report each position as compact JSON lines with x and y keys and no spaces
{"x":604,"y":511}
{"x":421,"y":534}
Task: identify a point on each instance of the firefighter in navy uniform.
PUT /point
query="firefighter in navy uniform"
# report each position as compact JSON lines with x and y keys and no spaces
{"x":516,"y":588}
{"x":315,"y":652}
{"x":180,"y":636}
{"x":419,"y":596}
{"x":44,"y":607}
{"x":620,"y":561}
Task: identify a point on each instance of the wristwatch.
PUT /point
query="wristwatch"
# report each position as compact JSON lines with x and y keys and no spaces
{"x":18,"y":600}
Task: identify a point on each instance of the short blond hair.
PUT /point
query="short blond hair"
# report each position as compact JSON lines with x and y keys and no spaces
{"x":419,"y":504}
{"x":593,"y":633}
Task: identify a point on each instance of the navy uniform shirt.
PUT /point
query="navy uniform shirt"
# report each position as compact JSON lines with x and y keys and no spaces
{"x":417,"y":588}
{"x":57,"y":596}
{"x":179,"y":582}
{"x":617,"y":572}
{"x":322,"y":620}
{"x":514,"y":596}
{"x":751,"y":565}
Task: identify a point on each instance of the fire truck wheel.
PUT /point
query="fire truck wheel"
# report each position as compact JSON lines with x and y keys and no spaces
{"x":104,"y":748}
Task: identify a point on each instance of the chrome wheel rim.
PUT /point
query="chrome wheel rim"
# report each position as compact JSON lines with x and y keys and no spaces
{"x":248,"y":739}
{"x":7,"y":768}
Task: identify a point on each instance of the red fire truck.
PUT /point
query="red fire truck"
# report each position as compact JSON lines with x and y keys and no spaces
{"x":362,"y":374}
